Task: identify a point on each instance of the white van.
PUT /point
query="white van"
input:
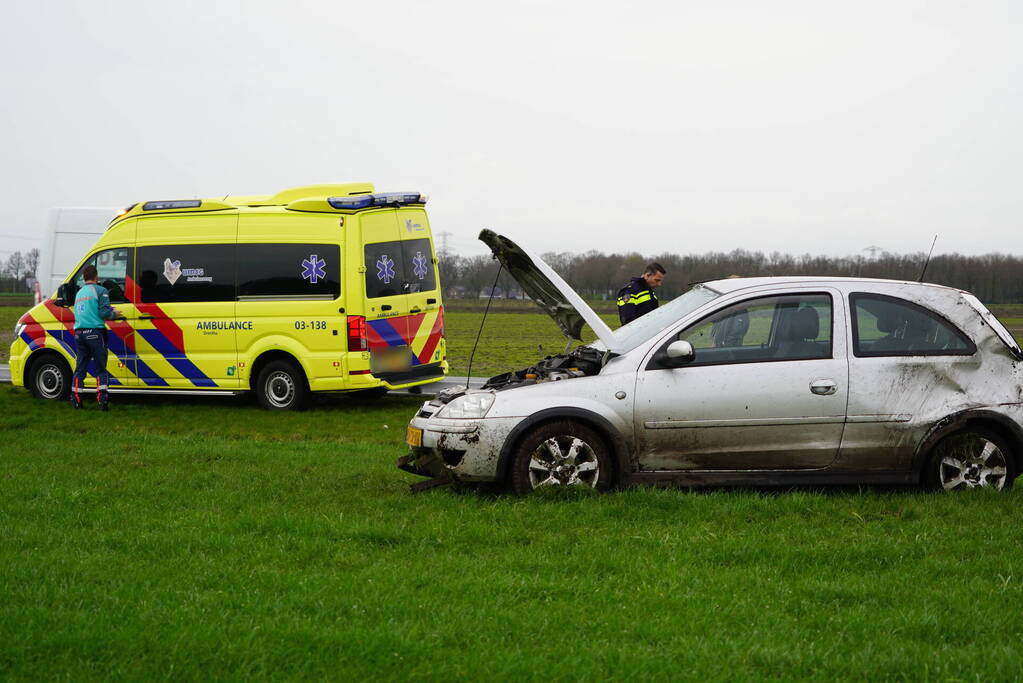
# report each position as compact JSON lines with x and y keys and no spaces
{"x":70,"y":232}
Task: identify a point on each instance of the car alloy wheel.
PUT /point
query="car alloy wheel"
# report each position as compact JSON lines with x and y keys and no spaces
{"x":562,"y":453}
{"x":563,"y":461}
{"x":972,"y":460}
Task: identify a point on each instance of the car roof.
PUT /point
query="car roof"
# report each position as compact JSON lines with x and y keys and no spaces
{"x":735,"y":284}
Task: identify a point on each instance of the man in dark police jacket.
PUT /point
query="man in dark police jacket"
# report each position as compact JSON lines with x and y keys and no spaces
{"x":637,"y":297}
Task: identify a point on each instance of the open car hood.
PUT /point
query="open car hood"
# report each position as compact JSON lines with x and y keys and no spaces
{"x":548,"y":290}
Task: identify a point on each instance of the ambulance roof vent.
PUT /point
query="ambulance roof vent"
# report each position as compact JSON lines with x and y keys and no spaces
{"x":320,"y":192}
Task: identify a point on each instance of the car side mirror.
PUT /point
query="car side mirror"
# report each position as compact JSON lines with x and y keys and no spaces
{"x":66,"y":295}
{"x":680,"y":352}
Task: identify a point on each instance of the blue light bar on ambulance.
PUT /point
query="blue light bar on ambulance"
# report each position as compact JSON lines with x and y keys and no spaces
{"x":363,"y":201}
{"x":360,"y":201}
{"x":178,"y":204}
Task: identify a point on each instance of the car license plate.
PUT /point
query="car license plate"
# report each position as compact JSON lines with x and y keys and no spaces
{"x":414,"y":437}
{"x":397,"y":359}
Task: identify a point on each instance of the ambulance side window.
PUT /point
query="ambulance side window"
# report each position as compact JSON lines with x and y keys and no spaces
{"x":293,"y":271}
{"x":111,"y":268}
{"x":186,"y":272}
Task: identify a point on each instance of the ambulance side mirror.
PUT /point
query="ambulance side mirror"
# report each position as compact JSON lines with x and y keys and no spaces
{"x":66,"y":295}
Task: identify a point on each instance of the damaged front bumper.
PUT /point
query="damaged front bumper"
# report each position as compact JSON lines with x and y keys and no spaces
{"x":462,"y":449}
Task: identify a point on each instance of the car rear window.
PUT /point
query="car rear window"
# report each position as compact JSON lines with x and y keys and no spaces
{"x":889,"y":326}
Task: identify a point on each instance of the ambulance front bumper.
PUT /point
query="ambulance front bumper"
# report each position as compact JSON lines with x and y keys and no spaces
{"x":16,"y":365}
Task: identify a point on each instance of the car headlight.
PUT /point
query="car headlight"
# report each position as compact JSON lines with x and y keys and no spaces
{"x":18,"y":329}
{"x":468,"y":406}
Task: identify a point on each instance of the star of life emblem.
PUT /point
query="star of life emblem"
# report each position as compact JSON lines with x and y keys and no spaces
{"x":385,"y":269}
{"x":419,"y":265}
{"x":313,"y":269}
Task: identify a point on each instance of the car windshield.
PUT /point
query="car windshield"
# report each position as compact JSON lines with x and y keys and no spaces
{"x":642,"y":328}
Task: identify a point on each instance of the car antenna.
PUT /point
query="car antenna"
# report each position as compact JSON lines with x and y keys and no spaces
{"x":493,"y":288}
{"x":921,"y":278}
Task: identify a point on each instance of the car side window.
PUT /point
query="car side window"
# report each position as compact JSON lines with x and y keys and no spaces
{"x":777,"y":328}
{"x":889,"y":326}
{"x":111,"y":268}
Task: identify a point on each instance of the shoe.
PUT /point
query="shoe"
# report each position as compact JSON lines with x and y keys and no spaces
{"x":104,"y":407}
{"x":76,"y":406}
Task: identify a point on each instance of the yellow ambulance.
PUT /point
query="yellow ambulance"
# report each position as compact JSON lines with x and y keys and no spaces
{"x":316,"y":288}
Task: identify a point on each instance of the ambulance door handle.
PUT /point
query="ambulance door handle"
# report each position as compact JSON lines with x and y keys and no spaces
{"x":385,"y":307}
{"x":414,"y":310}
{"x":431,"y":301}
{"x":147,"y":317}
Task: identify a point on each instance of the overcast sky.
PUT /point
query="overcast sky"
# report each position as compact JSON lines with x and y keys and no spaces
{"x":820,"y":127}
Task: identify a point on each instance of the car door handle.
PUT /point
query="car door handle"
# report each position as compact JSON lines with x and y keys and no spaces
{"x":823,"y":387}
{"x":385,"y":307}
{"x":414,"y":310}
{"x":147,"y":317}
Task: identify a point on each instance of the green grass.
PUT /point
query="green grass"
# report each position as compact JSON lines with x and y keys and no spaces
{"x":206,"y":539}
{"x":509,"y":341}
{"x":8,"y":317}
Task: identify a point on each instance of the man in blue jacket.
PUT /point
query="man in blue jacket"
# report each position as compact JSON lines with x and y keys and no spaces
{"x":92,"y":308}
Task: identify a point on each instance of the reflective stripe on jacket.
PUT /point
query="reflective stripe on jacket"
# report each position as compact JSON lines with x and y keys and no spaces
{"x":635,"y":299}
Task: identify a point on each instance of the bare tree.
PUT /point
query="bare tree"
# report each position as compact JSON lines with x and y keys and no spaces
{"x":31,"y":262}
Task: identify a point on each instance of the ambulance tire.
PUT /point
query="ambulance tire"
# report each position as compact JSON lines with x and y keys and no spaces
{"x":49,"y":377}
{"x":282,"y":386}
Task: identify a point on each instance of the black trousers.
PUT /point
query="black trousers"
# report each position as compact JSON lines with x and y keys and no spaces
{"x":92,"y":346}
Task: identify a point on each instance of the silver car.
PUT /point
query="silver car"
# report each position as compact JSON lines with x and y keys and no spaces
{"x":747,"y":381}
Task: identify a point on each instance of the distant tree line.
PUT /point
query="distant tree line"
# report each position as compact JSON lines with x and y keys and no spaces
{"x":17,"y":270}
{"x":993,"y":278}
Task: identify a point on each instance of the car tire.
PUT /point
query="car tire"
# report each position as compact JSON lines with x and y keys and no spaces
{"x":49,"y":377}
{"x":282,"y":386}
{"x":972,"y":458}
{"x":561,"y":453}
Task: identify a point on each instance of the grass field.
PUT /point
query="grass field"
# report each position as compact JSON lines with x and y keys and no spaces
{"x":206,"y":539}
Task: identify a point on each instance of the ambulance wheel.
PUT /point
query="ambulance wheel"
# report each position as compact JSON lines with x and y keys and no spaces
{"x":49,"y":377}
{"x":282,"y":386}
